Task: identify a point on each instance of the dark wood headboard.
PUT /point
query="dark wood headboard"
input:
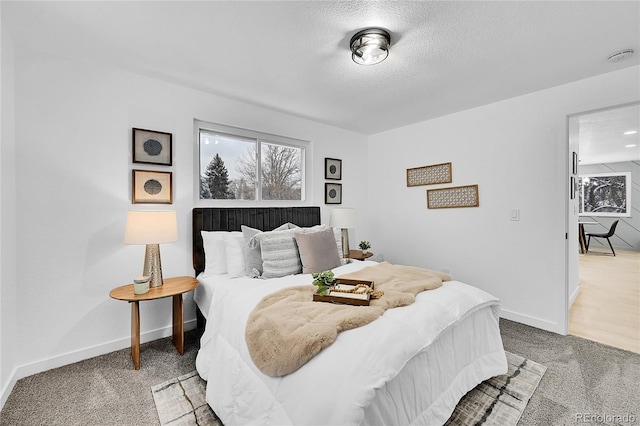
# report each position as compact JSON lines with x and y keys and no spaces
{"x":230,"y":219}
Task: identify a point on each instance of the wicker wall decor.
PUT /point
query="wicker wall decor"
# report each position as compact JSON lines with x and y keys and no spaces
{"x":457,"y":196}
{"x":429,"y":175}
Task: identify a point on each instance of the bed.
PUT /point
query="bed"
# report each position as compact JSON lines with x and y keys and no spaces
{"x":410,"y":366}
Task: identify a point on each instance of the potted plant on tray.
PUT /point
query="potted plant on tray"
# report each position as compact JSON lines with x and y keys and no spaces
{"x":365,"y":246}
{"x":324,"y":280}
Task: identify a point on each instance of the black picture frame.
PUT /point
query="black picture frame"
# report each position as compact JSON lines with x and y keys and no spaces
{"x":575,"y":163}
{"x":152,"y":147}
{"x":332,"y":169}
{"x":151,"y":187}
{"x":333,"y":193}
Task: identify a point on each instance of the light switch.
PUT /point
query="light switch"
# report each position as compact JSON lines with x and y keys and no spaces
{"x":515,"y":214}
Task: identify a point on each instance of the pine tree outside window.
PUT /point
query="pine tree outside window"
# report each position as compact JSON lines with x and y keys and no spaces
{"x":237,"y":164}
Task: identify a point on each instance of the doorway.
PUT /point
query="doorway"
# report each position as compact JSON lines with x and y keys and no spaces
{"x":604,"y":289}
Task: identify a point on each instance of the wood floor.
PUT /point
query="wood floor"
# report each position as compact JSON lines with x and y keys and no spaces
{"x":607,"y":309}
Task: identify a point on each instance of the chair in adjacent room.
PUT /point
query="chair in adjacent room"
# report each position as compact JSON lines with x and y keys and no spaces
{"x":606,"y":235}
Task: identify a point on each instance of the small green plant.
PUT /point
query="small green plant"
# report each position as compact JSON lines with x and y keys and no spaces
{"x":323,"y":280}
{"x":365,"y":245}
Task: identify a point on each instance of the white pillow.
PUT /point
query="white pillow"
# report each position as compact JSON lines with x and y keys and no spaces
{"x":215,"y":258}
{"x":234,"y":252}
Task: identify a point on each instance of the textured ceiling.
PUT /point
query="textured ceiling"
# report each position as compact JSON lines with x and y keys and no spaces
{"x":294,"y":57}
{"x":602,"y":135}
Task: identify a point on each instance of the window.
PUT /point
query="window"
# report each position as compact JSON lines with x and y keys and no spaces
{"x":237,"y":164}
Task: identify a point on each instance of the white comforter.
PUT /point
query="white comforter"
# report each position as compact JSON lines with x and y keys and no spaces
{"x":338,"y":385}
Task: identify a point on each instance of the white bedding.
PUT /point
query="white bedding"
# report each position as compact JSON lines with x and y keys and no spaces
{"x":410,"y":366}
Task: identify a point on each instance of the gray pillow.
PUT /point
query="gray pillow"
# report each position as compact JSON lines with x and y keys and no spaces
{"x":318,"y":251}
{"x":280,"y":255}
{"x":252,"y":253}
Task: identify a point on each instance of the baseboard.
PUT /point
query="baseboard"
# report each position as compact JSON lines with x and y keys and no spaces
{"x":532,"y":321}
{"x":574,"y":295}
{"x":6,"y":391}
{"x":26,"y":370}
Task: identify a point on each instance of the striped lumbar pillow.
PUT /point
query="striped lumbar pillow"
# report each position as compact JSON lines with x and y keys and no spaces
{"x":280,"y":256}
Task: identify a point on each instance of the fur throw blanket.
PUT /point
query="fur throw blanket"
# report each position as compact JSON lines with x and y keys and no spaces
{"x":286,"y":329}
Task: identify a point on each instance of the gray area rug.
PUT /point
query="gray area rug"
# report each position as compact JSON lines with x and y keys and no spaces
{"x":181,"y":401}
{"x":498,"y":401}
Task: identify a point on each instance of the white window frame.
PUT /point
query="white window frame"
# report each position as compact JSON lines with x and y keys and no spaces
{"x":260,"y":137}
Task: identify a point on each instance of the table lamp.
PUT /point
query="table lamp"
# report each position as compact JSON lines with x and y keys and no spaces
{"x":151,"y":228}
{"x":343,"y":219}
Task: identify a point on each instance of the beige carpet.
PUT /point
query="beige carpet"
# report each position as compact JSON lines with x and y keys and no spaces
{"x":498,"y":401}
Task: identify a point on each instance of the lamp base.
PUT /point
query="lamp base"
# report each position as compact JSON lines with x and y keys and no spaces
{"x":345,"y":243}
{"x":152,"y":265}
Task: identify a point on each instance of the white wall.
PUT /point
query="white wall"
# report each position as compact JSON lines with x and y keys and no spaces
{"x":517,"y":151}
{"x":72,"y":167}
{"x":8,"y":301}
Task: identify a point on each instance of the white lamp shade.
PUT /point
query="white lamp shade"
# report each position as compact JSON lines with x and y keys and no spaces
{"x":343,"y":218}
{"x":151,"y":227}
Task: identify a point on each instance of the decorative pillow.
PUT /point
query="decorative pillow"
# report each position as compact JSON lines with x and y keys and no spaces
{"x":234,"y":251}
{"x":280,"y":255}
{"x":252,"y":253}
{"x":336,"y":231}
{"x":215,"y":259}
{"x":314,"y":228}
{"x":318,"y":251}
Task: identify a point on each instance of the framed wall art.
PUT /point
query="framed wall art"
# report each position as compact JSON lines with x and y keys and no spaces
{"x":332,"y":168}
{"x":333,"y":193}
{"x":605,"y":194}
{"x":429,"y":175}
{"x":457,"y":196}
{"x":152,"y":187}
{"x":152,"y":147}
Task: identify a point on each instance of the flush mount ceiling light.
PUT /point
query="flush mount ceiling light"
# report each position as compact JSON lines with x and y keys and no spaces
{"x":620,"y":55}
{"x":370,"y":46}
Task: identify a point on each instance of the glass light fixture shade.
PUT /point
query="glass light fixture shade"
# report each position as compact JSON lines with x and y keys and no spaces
{"x":151,"y":227}
{"x":370,"y":46}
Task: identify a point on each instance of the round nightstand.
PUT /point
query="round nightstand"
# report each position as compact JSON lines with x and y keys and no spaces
{"x":358,"y":255}
{"x":172,"y":287}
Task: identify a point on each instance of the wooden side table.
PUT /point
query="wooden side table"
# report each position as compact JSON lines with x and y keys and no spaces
{"x":173,"y":287}
{"x":358,"y":255}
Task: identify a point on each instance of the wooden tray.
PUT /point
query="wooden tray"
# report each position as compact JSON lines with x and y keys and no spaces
{"x":354,"y":282}
{"x":346,"y":298}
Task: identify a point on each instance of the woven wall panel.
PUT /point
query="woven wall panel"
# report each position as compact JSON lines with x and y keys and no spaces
{"x":457,"y":196}
{"x":429,"y":175}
